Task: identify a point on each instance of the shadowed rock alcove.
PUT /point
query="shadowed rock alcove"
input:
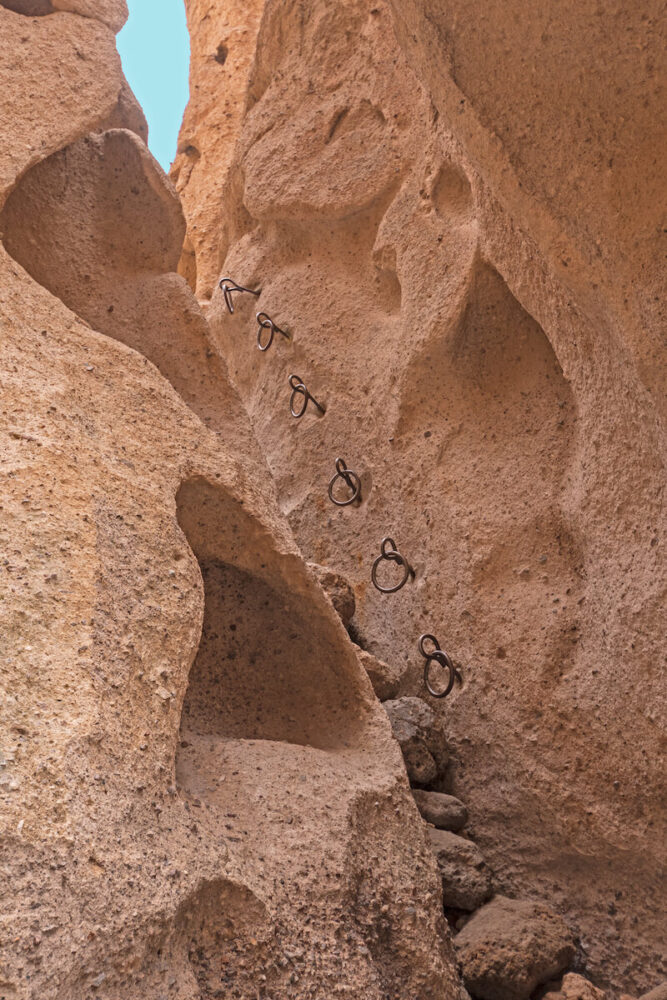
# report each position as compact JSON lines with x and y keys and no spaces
{"x":266,"y":665}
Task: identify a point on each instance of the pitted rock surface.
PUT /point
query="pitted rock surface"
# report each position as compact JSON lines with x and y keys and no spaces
{"x":466,"y":879}
{"x":198,"y":789}
{"x":511,"y":946}
{"x":458,"y":221}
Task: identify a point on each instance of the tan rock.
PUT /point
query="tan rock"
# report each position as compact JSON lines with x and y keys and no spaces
{"x":384,"y":677}
{"x":222,"y":43}
{"x":338,"y":590}
{"x":110,"y":12}
{"x":471,"y":276}
{"x":444,"y":811}
{"x":420,"y":737}
{"x":574,"y":987}
{"x":466,"y":879}
{"x":511,"y":946}
{"x":197,"y":786}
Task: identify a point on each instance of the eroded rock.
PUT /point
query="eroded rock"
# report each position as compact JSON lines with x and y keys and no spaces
{"x":384,"y":677}
{"x":574,"y":987}
{"x":511,"y":946}
{"x":444,"y":811}
{"x":458,"y":265}
{"x":466,"y":879}
{"x":420,"y":737}
{"x":337,"y":589}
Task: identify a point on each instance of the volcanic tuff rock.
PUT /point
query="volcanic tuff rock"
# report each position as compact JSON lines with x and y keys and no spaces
{"x":466,"y":879}
{"x":443,"y":811}
{"x":198,"y":788}
{"x":420,"y":738}
{"x":574,"y":987}
{"x":457,"y":218}
{"x":511,"y":946}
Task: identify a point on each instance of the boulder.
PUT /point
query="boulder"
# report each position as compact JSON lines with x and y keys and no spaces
{"x":444,"y":811}
{"x":420,"y":737}
{"x":511,"y":946}
{"x":466,"y":880}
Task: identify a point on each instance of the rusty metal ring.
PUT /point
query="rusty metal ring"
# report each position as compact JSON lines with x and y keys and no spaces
{"x":439,"y":656}
{"x":390,"y":553}
{"x":351,"y":480}
{"x":264,"y":322}
{"x":299,"y":389}
{"x":228,"y":285}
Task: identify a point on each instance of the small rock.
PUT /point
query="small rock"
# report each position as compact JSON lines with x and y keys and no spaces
{"x":466,"y":880}
{"x":443,"y":811}
{"x":337,"y":589}
{"x":385,"y":679}
{"x":420,"y":738}
{"x":574,"y":987}
{"x":511,"y":946}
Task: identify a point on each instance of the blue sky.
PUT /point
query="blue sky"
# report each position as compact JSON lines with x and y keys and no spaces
{"x":155,"y":49}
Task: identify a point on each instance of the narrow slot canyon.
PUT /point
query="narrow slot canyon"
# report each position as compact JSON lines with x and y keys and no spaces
{"x":332,"y":573}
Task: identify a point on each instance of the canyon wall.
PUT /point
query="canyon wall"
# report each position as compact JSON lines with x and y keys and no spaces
{"x":199,"y":792}
{"x":455,"y":218}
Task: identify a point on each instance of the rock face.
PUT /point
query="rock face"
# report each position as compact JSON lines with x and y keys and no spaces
{"x":457,"y":222}
{"x":509,"y":947}
{"x":199,"y":792}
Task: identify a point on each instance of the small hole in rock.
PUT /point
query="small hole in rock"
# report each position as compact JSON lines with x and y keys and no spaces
{"x":221,"y":54}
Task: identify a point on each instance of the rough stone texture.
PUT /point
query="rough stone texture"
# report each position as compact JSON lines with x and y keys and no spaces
{"x":420,"y":738}
{"x":338,"y":590}
{"x":466,"y":879}
{"x":444,"y":811}
{"x":223,"y":37}
{"x":457,"y":217}
{"x":574,"y":987}
{"x":511,"y":946}
{"x":384,"y":677}
{"x":197,"y":785}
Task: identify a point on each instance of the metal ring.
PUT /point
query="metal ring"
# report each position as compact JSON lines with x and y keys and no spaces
{"x":228,"y":285}
{"x":265,"y":322}
{"x":299,"y":389}
{"x":351,"y":480}
{"x":439,"y":656}
{"x":390,"y":553}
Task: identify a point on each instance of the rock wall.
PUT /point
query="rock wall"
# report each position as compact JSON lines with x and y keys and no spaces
{"x":199,"y":793}
{"x":454,"y":218}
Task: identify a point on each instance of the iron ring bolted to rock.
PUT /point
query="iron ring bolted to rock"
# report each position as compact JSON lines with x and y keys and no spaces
{"x":439,"y":656}
{"x":264,"y":322}
{"x":351,"y":480}
{"x":390,"y":553}
{"x":299,"y":389}
{"x":228,"y":286}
